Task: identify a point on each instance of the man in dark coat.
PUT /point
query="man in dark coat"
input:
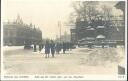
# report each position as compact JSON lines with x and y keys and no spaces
{"x":64,"y":47}
{"x":40,"y":46}
{"x":35,"y":47}
{"x":52,"y":46}
{"x":57,"y":48}
{"x":47,"y":49}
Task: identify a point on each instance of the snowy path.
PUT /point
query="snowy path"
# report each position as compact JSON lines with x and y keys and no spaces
{"x":20,"y":61}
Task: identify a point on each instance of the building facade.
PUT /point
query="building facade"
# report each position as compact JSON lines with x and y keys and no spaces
{"x":114,"y":31}
{"x":18,"y":33}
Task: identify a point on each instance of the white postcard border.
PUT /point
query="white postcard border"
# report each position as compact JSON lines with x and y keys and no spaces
{"x":85,"y":77}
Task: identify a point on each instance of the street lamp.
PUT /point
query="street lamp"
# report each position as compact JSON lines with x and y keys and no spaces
{"x":59,"y":25}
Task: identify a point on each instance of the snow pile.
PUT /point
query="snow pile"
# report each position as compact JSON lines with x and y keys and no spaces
{"x":103,"y":56}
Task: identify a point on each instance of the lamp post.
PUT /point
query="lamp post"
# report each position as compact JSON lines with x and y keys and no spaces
{"x":59,"y":25}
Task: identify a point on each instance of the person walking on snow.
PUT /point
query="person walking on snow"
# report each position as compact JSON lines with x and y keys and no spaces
{"x":47,"y":49}
{"x":52,"y":46}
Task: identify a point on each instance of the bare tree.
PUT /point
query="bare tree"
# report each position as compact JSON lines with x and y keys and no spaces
{"x":86,"y":10}
{"x":107,"y":14}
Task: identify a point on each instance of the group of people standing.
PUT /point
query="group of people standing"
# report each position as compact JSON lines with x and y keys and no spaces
{"x":51,"y":47}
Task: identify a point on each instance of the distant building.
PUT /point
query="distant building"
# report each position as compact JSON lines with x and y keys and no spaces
{"x":110,"y":29}
{"x":18,"y":33}
{"x":113,"y":33}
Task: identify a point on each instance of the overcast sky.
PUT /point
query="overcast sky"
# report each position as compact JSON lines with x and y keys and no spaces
{"x":43,"y":13}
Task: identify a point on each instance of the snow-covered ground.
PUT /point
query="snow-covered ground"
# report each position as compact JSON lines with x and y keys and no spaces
{"x":78,"y":61}
{"x":7,"y":48}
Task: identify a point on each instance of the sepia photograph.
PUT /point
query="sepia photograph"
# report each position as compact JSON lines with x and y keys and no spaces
{"x":64,"y":37}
